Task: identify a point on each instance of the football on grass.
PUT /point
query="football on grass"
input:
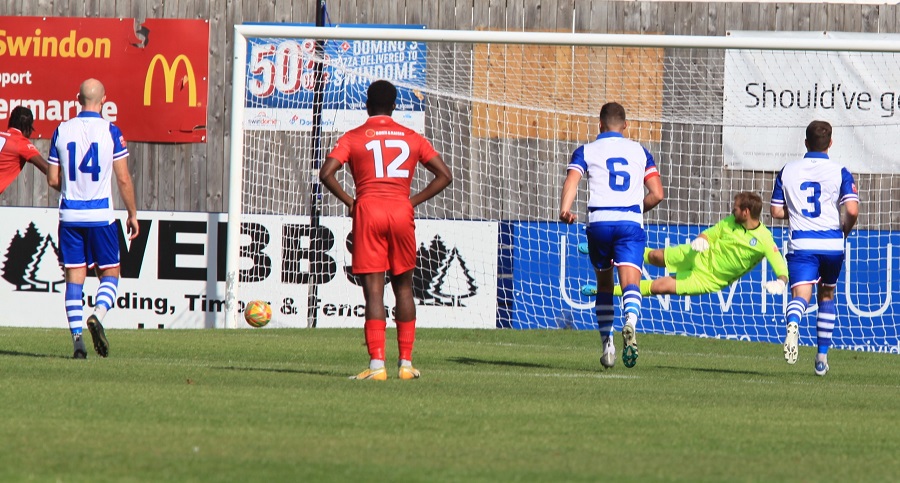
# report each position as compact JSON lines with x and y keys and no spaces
{"x":258,"y":313}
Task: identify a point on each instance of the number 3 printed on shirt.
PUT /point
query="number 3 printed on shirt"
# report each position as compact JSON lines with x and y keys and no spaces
{"x":393,"y":169}
{"x":813,"y":199}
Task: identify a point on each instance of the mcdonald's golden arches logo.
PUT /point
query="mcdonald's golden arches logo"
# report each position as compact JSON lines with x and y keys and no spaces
{"x":169,"y":71}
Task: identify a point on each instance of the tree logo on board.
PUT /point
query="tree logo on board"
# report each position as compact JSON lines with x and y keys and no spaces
{"x":441,"y":276}
{"x":32,"y":262}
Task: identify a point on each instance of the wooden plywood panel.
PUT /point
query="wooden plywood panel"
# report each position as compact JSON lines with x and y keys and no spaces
{"x":517,"y":81}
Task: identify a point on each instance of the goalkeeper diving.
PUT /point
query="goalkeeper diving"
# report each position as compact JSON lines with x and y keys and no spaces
{"x":720,"y":255}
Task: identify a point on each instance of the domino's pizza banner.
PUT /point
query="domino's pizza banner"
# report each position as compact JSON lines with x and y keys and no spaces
{"x":173,"y":273}
{"x":771,"y":96}
{"x":281,"y":81}
{"x":546,"y":273}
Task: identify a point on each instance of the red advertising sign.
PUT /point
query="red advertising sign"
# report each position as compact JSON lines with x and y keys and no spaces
{"x":155,"y":74}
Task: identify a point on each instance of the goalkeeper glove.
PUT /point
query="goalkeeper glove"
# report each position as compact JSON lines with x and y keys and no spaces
{"x":700,"y":244}
{"x":775,"y":287}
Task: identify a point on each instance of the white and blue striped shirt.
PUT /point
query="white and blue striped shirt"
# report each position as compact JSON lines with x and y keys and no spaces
{"x":616,"y":169}
{"x":812,"y":190}
{"x":85,"y":148}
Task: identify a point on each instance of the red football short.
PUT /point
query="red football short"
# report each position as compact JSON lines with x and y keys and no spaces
{"x":384,"y":236}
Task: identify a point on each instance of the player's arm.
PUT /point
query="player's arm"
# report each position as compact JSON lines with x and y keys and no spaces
{"x":776,"y":208}
{"x":442,"y":178}
{"x":52,"y":172}
{"x":653,"y":183}
{"x":708,"y":236}
{"x":778,"y":212}
{"x":39,"y":162}
{"x":851,"y":214}
{"x":849,"y":201}
{"x":779,"y":266}
{"x":569,"y":190}
{"x":655,"y":193}
{"x":31,"y":154}
{"x":574,"y":172}
{"x":126,"y":191}
{"x":326,"y":176}
{"x":53,"y":176}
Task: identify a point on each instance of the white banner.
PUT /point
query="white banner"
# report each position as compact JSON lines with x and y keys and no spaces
{"x":455,"y":283}
{"x":771,"y":96}
{"x":173,"y":273}
{"x":287,"y":119}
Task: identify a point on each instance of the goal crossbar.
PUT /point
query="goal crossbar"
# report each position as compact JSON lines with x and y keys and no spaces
{"x":573,"y":39}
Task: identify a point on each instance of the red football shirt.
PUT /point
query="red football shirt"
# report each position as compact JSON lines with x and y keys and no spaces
{"x":15,"y":151}
{"x":383,"y":156}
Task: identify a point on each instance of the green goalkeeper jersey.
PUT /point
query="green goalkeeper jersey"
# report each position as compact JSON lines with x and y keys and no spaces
{"x":735,"y":250}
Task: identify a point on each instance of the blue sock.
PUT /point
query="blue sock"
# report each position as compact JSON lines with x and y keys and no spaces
{"x":605,"y":313}
{"x":106,"y":295}
{"x":74,"y":307}
{"x":631,"y":297}
{"x":795,"y":309}
{"x":825,"y":325}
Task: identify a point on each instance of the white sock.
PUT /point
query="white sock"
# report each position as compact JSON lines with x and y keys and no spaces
{"x":631,"y":319}
{"x":376,"y":364}
{"x":606,"y":341}
{"x":100,"y":312}
{"x":405,"y":363}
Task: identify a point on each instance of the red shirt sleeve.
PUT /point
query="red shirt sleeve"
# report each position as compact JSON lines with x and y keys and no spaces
{"x":28,"y":151}
{"x":341,"y":150}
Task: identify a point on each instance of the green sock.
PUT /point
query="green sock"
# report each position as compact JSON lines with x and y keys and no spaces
{"x":645,"y":288}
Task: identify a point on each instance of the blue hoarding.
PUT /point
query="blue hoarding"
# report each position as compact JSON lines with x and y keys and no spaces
{"x":546,"y":273}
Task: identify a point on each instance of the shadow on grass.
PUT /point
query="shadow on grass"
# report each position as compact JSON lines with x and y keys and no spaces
{"x":280,"y":371}
{"x":32,"y":354}
{"x":716,"y":371}
{"x":472,"y":362}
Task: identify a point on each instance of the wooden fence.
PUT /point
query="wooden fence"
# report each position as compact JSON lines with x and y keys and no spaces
{"x":193,"y":177}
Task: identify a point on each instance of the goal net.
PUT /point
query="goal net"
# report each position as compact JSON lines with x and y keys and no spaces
{"x":506,"y":111}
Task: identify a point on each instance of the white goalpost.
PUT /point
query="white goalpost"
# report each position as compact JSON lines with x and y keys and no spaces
{"x":506,"y":110}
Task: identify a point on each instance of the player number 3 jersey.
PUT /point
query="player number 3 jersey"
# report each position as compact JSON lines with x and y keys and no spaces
{"x":812,"y":189}
{"x":85,"y":148}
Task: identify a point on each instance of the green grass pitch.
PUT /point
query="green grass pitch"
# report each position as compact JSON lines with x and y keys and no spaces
{"x":492,"y":405}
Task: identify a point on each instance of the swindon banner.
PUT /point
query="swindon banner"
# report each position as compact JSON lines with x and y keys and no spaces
{"x":281,"y":81}
{"x":771,"y":96}
{"x":173,"y":274}
{"x":549,"y":271}
{"x":155,"y":74}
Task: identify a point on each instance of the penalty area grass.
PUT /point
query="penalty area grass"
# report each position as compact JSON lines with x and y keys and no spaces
{"x":492,"y":405}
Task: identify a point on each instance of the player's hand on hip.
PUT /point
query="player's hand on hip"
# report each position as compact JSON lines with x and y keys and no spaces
{"x":567,"y":217}
{"x":700,"y":244}
{"x":776,"y":287}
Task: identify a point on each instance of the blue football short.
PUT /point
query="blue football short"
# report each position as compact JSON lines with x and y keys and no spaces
{"x":616,"y":244}
{"x":809,"y":267}
{"x":89,"y":246}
